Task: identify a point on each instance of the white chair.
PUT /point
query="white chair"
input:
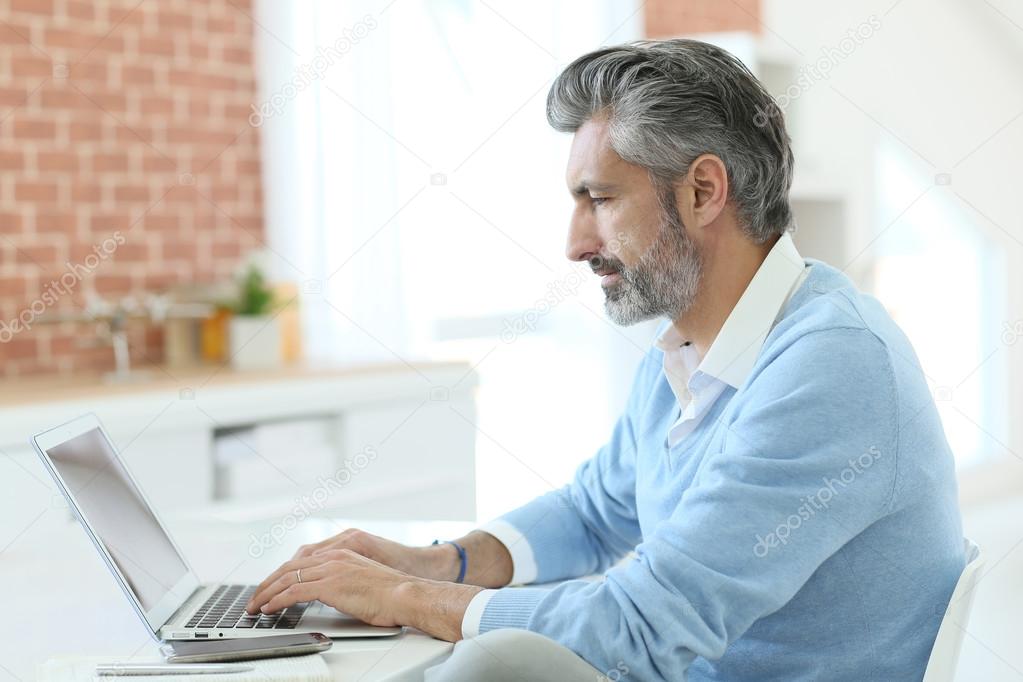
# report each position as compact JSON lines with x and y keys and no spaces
{"x":941,"y":667}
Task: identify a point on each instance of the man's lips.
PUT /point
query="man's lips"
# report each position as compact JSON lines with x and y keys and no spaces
{"x":609,"y":279}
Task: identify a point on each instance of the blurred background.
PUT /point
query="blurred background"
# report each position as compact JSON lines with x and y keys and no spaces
{"x":258,"y":238}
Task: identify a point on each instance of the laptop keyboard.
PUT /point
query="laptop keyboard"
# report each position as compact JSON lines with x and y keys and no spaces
{"x":226,"y":609}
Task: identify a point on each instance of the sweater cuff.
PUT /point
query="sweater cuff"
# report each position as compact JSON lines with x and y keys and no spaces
{"x":523,"y":563}
{"x":511,"y":607}
{"x":474,"y":613}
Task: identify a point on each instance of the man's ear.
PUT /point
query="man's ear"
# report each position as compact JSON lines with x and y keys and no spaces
{"x":705,"y":189}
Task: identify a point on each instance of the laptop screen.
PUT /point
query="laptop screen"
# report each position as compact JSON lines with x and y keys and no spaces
{"x":118,"y":515}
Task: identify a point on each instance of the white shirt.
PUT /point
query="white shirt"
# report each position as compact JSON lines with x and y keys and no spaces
{"x":696,"y":383}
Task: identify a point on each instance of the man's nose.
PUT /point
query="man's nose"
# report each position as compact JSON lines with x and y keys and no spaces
{"x":583,"y":239}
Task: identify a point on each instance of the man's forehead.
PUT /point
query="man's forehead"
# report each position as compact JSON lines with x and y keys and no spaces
{"x":591,"y":159}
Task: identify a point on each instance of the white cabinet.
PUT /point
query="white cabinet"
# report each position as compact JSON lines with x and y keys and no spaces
{"x":377,"y":442}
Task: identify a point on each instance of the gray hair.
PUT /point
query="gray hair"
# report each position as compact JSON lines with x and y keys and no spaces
{"x":669,"y":101}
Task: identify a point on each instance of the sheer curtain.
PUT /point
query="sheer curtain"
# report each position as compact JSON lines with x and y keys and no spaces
{"x":956,"y":269}
{"x":415,"y":190}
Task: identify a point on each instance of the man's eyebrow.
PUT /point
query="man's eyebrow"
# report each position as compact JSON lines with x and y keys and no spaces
{"x":588,"y":186}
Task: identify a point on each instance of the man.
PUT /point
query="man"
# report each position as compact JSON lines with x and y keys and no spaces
{"x":778,"y":500}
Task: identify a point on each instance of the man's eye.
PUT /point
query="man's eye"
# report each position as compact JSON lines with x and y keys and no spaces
{"x":597,"y":201}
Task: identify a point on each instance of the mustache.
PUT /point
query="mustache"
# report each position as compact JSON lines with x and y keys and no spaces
{"x":605,"y":265}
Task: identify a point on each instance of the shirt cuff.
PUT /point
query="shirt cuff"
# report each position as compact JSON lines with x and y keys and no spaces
{"x":524,"y":569}
{"x":474,"y":613}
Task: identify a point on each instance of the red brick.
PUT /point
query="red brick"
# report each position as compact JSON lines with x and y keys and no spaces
{"x":131,"y":193}
{"x":37,"y":255}
{"x":82,"y":131}
{"x":113,"y":102}
{"x":161,"y":46}
{"x":86,"y":192}
{"x":134,"y":252}
{"x":57,"y":161}
{"x":34,"y":129}
{"x":22,"y":345}
{"x":237,"y":55}
{"x":80,"y":10}
{"x":64,"y":344}
{"x":13,"y":97}
{"x":76,"y":40}
{"x":162,"y":223}
{"x":129,"y":14}
{"x":156,"y":105}
{"x":163,"y":280}
{"x":94,"y":71}
{"x":30,"y":191}
{"x":14,"y":32}
{"x":11,"y":223}
{"x":12,"y":160}
{"x":62,"y":99}
{"x":13,"y":287}
{"x":44,"y":7}
{"x":173,"y":20}
{"x":178,"y":250}
{"x":100,"y":223}
{"x":109,"y":162}
{"x":55,"y":221}
{"x":111,"y":284}
{"x":31,"y":67}
{"x":199,"y":51}
{"x":224,"y":24}
{"x":155,"y":163}
{"x":226,"y":249}
{"x":137,"y":75}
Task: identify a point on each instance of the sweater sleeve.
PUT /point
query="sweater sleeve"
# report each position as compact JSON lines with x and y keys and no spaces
{"x":806,"y":464}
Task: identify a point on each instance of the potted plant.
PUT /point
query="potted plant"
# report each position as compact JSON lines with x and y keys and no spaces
{"x":255,"y":336}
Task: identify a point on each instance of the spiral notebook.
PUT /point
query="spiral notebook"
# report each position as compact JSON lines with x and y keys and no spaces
{"x":310,"y":668}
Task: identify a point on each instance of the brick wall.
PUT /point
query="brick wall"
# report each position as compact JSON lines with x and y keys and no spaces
{"x":669,"y":18}
{"x":126,"y":158}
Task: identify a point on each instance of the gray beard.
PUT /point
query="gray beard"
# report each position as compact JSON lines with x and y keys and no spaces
{"x":665,"y":280}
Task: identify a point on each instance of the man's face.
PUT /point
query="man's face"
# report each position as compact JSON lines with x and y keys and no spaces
{"x":629,"y":234}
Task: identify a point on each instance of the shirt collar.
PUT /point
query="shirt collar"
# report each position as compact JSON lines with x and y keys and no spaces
{"x":735,"y":349}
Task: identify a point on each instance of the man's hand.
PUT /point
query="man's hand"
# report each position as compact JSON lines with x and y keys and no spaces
{"x":436,"y":562}
{"x":489,"y":562}
{"x":367,"y":590}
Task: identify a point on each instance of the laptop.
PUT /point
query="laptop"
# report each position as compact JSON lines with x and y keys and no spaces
{"x":145,"y":561}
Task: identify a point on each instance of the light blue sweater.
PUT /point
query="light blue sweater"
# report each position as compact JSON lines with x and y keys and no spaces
{"x":806,"y":530}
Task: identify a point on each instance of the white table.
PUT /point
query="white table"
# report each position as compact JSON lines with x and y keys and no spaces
{"x":61,"y":601}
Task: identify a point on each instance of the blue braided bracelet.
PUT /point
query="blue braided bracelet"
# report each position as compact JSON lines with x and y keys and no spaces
{"x":461,"y":557}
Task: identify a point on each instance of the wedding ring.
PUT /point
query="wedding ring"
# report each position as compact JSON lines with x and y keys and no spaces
{"x":299,"y":574}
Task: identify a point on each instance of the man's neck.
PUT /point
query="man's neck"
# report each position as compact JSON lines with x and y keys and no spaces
{"x":725,"y":278}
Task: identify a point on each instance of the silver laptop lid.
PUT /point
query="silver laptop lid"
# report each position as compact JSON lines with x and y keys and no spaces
{"x":124,"y":527}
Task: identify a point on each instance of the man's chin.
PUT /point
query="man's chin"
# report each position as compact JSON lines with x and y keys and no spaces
{"x":625,"y":315}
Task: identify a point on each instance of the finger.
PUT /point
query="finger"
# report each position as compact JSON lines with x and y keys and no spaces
{"x":286,"y":572}
{"x":342,"y":539}
{"x":307,"y":550}
{"x":291,"y":565}
{"x":271,"y":591}
{"x":299,"y":592}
